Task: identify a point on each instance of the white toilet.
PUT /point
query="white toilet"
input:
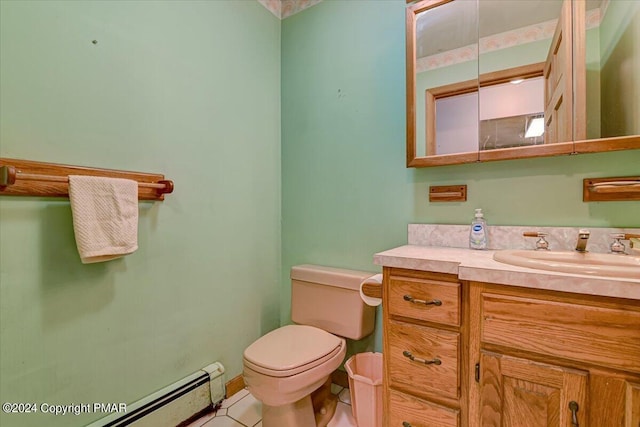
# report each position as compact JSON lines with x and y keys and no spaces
{"x":289,"y":368}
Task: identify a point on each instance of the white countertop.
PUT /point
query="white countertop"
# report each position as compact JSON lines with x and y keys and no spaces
{"x":480,"y":266}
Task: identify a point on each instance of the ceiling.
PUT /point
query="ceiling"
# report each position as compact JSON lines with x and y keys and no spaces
{"x":285,"y":8}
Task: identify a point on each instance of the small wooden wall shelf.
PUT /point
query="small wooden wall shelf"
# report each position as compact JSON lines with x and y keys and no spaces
{"x":448,"y":193}
{"x":29,"y":178}
{"x":611,"y":189}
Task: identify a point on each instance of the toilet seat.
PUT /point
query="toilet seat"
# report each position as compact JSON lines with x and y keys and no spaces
{"x":291,"y":349}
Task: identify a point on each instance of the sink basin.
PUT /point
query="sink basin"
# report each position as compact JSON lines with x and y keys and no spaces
{"x":609,"y":265}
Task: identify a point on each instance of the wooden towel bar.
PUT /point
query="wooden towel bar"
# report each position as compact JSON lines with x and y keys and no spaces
{"x":29,"y":178}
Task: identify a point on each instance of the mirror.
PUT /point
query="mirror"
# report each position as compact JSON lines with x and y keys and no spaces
{"x":611,"y":61}
{"x":446,"y":77}
{"x":494,"y":79}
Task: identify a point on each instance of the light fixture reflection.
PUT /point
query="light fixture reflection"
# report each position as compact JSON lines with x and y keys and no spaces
{"x":536,"y":128}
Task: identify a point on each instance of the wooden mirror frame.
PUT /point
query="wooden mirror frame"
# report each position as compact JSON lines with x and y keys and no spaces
{"x":572,"y":147}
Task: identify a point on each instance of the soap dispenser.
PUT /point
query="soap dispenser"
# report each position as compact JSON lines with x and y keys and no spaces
{"x":478,"y":232}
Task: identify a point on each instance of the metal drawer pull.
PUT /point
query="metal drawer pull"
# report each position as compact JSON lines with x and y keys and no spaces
{"x":434,"y":361}
{"x":405,"y":424}
{"x":573,"y":407}
{"x":421,"y":301}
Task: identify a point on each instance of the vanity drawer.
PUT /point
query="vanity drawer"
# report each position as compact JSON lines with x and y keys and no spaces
{"x":407,"y":341}
{"x":419,"y":413}
{"x":603,"y":335}
{"x":407,"y":297}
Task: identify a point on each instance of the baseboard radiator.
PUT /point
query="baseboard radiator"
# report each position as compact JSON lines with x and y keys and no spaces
{"x":175,"y":403}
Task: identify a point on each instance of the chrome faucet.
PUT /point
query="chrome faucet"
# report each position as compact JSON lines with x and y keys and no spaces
{"x":617,"y":247}
{"x":583,"y":237}
{"x":541,"y":244}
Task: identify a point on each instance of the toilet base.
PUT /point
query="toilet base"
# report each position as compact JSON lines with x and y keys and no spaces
{"x":296,"y":414}
{"x":315,"y":410}
{"x":324,"y":404}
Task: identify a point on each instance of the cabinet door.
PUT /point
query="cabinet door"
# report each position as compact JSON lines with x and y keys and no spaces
{"x":614,"y":401}
{"x":521,"y":393}
{"x":632,"y":405}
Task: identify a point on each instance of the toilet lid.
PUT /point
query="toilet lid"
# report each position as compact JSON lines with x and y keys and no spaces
{"x":291,"y":349}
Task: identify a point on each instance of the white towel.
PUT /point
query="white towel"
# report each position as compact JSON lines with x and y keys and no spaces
{"x":105,"y":216}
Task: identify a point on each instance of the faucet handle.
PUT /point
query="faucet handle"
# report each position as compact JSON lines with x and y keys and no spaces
{"x":634,"y":241}
{"x":582,"y":233}
{"x":541,"y":244}
{"x":617,"y":247}
{"x":534,"y":234}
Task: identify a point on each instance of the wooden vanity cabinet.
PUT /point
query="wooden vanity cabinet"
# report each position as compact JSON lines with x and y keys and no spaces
{"x":508,"y":356}
{"x":424,"y":339}
{"x":552,"y":359}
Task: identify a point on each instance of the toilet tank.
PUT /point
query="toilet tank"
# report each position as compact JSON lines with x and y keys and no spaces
{"x":329,"y":298}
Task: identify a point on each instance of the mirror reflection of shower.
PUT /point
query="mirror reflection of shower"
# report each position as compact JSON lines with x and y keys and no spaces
{"x":511,"y":115}
{"x":516,"y":131}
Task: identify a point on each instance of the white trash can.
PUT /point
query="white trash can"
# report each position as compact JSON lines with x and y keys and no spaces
{"x":365,"y":387}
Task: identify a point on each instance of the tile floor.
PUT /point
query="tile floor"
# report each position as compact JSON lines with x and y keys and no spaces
{"x":243,"y":410}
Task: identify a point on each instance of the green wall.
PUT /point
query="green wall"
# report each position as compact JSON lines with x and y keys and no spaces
{"x":345,"y":190}
{"x":188,"y":89}
{"x":192,"y":90}
{"x":346,"y":193}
